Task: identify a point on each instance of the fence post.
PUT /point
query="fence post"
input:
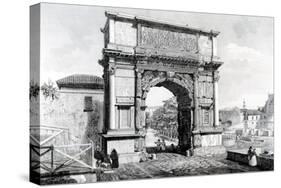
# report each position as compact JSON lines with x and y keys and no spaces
{"x":92,"y":156}
{"x":52,"y":158}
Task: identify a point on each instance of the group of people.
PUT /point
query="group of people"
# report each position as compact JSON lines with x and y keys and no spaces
{"x":161,"y":146}
{"x":104,"y":160}
{"x":252,"y":156}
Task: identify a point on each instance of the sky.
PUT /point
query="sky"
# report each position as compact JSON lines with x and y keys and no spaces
{"x":71,"y":43}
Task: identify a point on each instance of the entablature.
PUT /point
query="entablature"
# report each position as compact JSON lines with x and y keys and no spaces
{"x":133,"y":36}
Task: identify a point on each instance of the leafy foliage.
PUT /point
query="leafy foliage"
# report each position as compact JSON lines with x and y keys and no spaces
{"x":49,"y":90}
{"x":93,"y":121}
{"x":230,"y":115}
{"x":165,"y":117}
{"x":33,"y":89}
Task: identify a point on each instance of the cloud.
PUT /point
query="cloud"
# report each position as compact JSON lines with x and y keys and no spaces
{"x":247,"y":73}
{"x":237,"y":52}
{"x":246,"y":26}
{"x":71,"y":41}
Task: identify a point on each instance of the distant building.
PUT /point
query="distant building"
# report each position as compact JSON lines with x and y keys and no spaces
{"x":259,"y":122}
{"x":250,"y":121}
{"x":267,"y":121}
{"x":74,"y":109}
{"x":269,"y":105}
{"x":229,"y":117}
{"x":251,"y":118}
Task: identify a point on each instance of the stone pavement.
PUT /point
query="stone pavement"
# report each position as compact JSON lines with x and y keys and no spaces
{"x":172,"y":165}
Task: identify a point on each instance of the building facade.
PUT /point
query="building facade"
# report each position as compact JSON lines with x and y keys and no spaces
{"x":77,"y":109}
{"x":259,"y":122}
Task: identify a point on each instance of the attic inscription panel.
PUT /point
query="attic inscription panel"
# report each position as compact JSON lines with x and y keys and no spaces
{"x":167,"y":39}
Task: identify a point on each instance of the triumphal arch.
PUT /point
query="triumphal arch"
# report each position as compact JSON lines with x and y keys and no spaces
{"x":140,"y":53}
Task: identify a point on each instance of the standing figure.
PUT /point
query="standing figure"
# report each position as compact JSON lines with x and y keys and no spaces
{"x":253,"y":158}
{"x":99,"y":156}
{"x":163,"y":145}
{"x":249,"y":152}
{"x":173,"y":149}
{"x":158,"y":145}
{"x":114,"y":159}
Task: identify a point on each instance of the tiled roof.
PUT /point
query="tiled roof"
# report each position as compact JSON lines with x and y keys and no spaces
{"x":252,"y":111}
{"x":81,"y":81}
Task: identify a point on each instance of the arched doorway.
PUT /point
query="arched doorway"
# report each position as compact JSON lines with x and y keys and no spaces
{"x":182,"y":88}
{"x":161,"y":116}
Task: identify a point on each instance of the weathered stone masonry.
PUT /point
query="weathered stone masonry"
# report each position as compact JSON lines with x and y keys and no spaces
{"x":141,"y":53}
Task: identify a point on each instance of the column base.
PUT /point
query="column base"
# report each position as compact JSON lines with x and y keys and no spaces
{"x":208,"y":141}
{"x":124,"y":144}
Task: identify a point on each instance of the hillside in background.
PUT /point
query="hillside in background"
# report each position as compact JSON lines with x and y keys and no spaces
{"x":233,"y":115}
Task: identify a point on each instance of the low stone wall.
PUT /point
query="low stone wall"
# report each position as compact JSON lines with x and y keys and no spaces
{"x":237,"y":156}
{"x":210,"y":150}
{"x":200,"y":151}
{"x":228,"y":142}
{"x":266,"y":163}
{"x":167,"y":149}
{"x":241,"y":156}
{"x":129,"y":157}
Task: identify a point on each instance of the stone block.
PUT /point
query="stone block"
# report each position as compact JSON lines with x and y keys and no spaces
{"x":125,"y":33}
{"x":129,"y":157}
{"x":210,"y":150}
{"x":211,"y":140}
{"x":229,"y":142}
{"x":121,"y":146}
{"x":241,"y":156}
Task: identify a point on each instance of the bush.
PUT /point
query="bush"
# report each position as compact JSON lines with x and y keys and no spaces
{"x":49,"y":90}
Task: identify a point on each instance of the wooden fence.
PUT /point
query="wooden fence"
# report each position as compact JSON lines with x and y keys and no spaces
{"x":49,"y":157}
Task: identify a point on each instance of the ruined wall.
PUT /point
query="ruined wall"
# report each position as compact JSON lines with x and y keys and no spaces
{"x":68,"y":112}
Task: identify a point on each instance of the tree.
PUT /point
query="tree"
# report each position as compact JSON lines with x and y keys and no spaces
{"x":165,"y":117}
{"x":33,"y":89}
{"x":232,"y":115}
{"x":49,"y":90}
{"x":92,"y":131}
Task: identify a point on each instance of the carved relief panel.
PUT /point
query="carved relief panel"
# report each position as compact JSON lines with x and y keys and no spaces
{"x":206,"y":96}
{"x":206,"y":116}
{"x":167,"y":39}
{"x":124,"y":98}
{"x":184,"y":81}
{"x":125,"y":83}
{"x":205,"y":85}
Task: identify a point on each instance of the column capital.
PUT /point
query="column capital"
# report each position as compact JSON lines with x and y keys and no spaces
{"x":216,"y":76}
{"x":139,"y":71}
{"x":196,"y":76}
{"x":111,"y":69}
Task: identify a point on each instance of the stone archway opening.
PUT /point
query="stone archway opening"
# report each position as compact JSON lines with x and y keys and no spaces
{"x":179,"y":120}
{"x":161,"y":115}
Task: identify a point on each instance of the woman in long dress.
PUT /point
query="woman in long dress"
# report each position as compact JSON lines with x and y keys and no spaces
{"x":253,"y":158}
{"x":114,"y":159}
